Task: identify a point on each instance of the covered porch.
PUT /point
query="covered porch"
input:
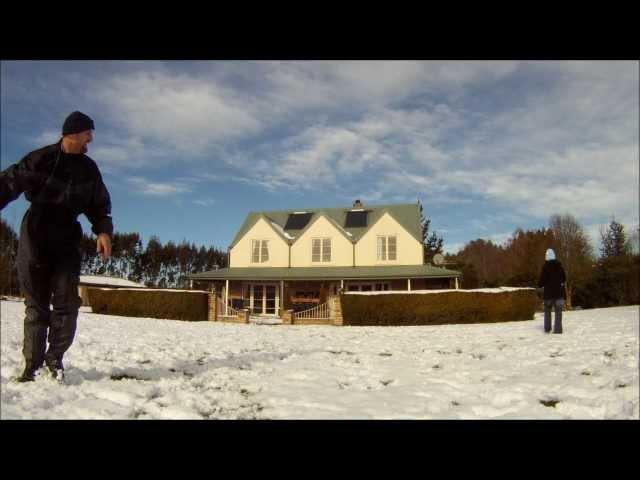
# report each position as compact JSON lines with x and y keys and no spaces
{"x":272,"y":291}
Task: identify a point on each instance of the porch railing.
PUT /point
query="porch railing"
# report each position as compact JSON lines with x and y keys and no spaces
{"x":231,"y":312}
{"x":321,"y":312}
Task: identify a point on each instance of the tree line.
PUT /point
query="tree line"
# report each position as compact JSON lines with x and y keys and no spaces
{"x":155,"y":265}
{"x":610,"y":279}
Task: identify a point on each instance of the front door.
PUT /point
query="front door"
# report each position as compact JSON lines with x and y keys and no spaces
{"x":264,"y":299}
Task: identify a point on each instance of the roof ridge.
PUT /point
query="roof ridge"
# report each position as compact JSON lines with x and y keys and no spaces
{"x":318,"y":209}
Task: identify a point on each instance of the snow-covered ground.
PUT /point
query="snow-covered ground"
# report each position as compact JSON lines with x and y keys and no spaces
{"x":120,"y":368}
{"x":106,"y":280}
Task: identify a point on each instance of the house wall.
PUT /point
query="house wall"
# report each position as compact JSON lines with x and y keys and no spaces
{"x":341,"y":248}
{"x":408,"y":249}
{"x":240,"y":254}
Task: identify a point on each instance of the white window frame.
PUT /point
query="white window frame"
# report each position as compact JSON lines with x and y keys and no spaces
{"x":357,"y":286}
{"x":263,"y":250}
{"x":323,"y":256}
{"x":383,"y":250}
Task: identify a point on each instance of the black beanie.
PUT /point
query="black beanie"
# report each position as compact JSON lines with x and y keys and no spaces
{"x":77,"y":122}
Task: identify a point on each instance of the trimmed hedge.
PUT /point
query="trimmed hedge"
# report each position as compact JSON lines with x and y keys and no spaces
{"x":191,"y":305}
{"x":438,"y":308}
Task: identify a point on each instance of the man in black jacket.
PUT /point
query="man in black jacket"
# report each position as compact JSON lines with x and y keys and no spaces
{"x":61,"y":182}
{"x":552,"y":279}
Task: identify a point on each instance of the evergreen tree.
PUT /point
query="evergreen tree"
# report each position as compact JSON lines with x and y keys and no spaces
{"x":431,"y":244}
{"x":8,"y":254}
{"x":614,"y":241}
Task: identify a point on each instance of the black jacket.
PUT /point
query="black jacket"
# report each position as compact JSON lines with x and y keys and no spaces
{"x":60,"y":187}
{"x":553,"y":278}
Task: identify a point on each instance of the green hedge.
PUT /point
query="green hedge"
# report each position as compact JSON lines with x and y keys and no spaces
{"x":178,"y":305}
{"x":438,"y":308}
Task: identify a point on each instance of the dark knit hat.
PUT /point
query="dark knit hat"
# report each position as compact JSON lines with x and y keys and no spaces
{"x":77,"y":122}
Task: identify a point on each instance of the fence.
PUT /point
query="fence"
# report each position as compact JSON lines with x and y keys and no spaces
{"x":321,"y":312}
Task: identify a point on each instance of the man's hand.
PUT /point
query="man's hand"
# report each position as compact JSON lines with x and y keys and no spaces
{"x":103,"y":245}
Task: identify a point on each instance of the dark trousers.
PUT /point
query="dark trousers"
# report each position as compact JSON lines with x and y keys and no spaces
{"x":558,"y":305}
{"x":50,"y":277}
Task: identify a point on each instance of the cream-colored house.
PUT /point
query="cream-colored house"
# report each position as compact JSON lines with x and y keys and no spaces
{"x":293,"y":259}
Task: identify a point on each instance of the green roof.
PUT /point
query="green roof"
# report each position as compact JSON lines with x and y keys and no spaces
{"x":406,"y":214}
{"x":326,"y":273}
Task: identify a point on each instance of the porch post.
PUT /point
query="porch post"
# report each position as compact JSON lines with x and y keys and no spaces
{"x":226,"y":299}
{"x":342,"y":285}
{"x":281,"y":304}
{"x":457,"y":283}
{"x":409,"y":284}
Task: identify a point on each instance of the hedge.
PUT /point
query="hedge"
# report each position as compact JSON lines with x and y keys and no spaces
{"x":191,"y":305}
{"x":464,"y":306}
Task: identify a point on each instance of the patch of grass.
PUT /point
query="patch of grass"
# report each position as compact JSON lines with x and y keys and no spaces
{"x":124,"y":376}
{"x":550,"y":403}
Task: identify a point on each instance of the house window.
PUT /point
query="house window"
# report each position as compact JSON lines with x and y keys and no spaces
{"x":326,"y":249}
{"x":368,"y":287}
{"x":259,"y":251}
{"x":387,"y":248}
{"x":321,"y":250}
{"x":391,"y":248}
{"x":382,"y":248}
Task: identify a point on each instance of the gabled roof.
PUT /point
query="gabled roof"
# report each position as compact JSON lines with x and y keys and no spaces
{"x":406,"y":214}
{"x":317,"y":216}
{"x":252,"y":219}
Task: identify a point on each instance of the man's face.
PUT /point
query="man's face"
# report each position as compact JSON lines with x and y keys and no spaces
{"x":81,"y":140}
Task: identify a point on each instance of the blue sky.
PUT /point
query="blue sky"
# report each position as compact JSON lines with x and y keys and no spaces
{"x":188,"y":148}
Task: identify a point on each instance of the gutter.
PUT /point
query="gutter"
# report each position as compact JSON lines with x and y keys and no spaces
{"x":379,"y":277}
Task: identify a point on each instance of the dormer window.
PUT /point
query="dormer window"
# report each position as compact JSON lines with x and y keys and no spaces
{"x":356,"y":218}
{"x":298,"y":220}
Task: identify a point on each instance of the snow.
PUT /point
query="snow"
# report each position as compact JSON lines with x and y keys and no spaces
{"x":422,"y":292}
{"x":105,"y":280}
{"x":128,"y":368}
{"x":282,"y":231}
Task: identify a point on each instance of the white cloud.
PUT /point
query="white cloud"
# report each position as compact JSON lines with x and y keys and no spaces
{"x":48,"y":137}
{"x":145,"y":187}
{"x":188,"y":113}
{"x":205,"y":202}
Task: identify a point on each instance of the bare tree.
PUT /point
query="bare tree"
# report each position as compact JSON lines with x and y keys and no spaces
{"x":573,"y":249}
